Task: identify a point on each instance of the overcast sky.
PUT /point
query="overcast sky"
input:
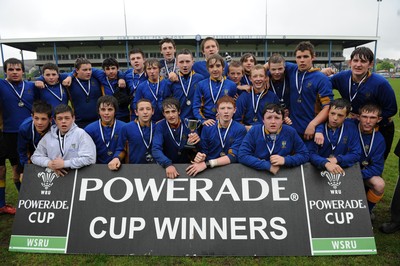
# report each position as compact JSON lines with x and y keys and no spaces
{"x":52,"y":18}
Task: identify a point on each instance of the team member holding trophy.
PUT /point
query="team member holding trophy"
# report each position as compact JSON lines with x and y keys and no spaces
{"x":224,"y":149}
{"x":170,"y":138}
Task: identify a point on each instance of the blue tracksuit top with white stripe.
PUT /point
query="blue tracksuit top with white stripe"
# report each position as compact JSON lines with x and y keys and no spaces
{"x":254,"y":151}
{"x":131,"y":141}
{"x":204,"y":107}
{"x":104,"y":154}
{"x":374,"y":89}
{"x":347,"y":151}
{"x":168,"y":149}
{"x":211,"y":142}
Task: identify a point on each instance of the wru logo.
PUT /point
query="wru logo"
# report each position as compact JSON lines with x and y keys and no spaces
{"x":333,"y":180}
{"x":47,"y":177}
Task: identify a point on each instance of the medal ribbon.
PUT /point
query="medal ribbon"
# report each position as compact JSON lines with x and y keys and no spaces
{"x":333,"y":147}
{"x":172,"y":135}
{"x":255,"y":105}
{"x":297,"y":82}
{"x":54,"y":94}
{"x":102,"y":133}
{"x":283,"y":90}
{"x":61,"y":143}
{"x":83,"y":88}
{"x":186,"y":91}
{"x":141,"y":133}
{"x":358,"y":86}
{"x":222,"y":140}
{"x":219,"y":90}
{"x":271,"y":150}
{"x":158,"y":86}
{"x":362,"y":141}
{"x":16,"y":93}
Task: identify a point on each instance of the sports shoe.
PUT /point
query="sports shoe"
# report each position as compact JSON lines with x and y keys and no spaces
{"x":7,"y":209}
{"x":390,"y":228}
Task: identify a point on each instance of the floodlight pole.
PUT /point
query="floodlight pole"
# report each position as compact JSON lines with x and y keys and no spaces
{"x":376,"y":34}
{"x":126,"y":37}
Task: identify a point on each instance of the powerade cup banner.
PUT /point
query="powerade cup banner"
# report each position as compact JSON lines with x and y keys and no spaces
{"x":230,"y":210}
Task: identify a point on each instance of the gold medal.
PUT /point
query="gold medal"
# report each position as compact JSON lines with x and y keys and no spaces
{"x":222,"y":153}
{"x":21,"y":104}
{"x":109,"y":153}
{"x":255,"y":119}
{"x":365,"y":163}
{"x":214,"y":110}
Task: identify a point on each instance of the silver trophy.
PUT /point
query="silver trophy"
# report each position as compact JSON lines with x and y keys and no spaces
{"x":192,"y":125}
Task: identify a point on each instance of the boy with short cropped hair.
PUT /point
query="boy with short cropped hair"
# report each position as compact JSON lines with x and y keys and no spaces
{"x":235,"y":73}
{"x":224,"y":149}
{"x":272,"y":145}
{"x":65,"y":146}
{"x":137,"y":74}
{"x":136,"y":138}
{"x":373,"y":150}
{"x":53,"y":92}
{"x":279,"y":82}
{"x":341,"y":145}
{"x":210,"y":90}
{"x":170,"y":137}
{"x":106,"y":131}
{"x":186,"y":85}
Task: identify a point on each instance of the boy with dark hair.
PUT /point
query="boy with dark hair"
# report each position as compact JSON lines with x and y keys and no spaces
{"x":310,"y":92}
{"x":32,"y":130}
{"x":106,"y":131}
{"x":271,"y":145}
{"x":16,"y":99}
{"x":170,"y":137}
{"x":168,"y":63}
{"x":210,"y":90}
{"x":224,"y":149}
{"x":184,"y":89}
{"x":373,"y":147}
{"x":341,"y":145}
{"x":66,"y":145}
{"x":136,"y":137}
{"x":248,"y":61}
{"x":113,"y":84}
{"x":360,"y":87}
{"x":154,"y":89}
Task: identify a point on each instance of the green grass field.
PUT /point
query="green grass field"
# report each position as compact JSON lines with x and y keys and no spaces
{"x":388,"y":245}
